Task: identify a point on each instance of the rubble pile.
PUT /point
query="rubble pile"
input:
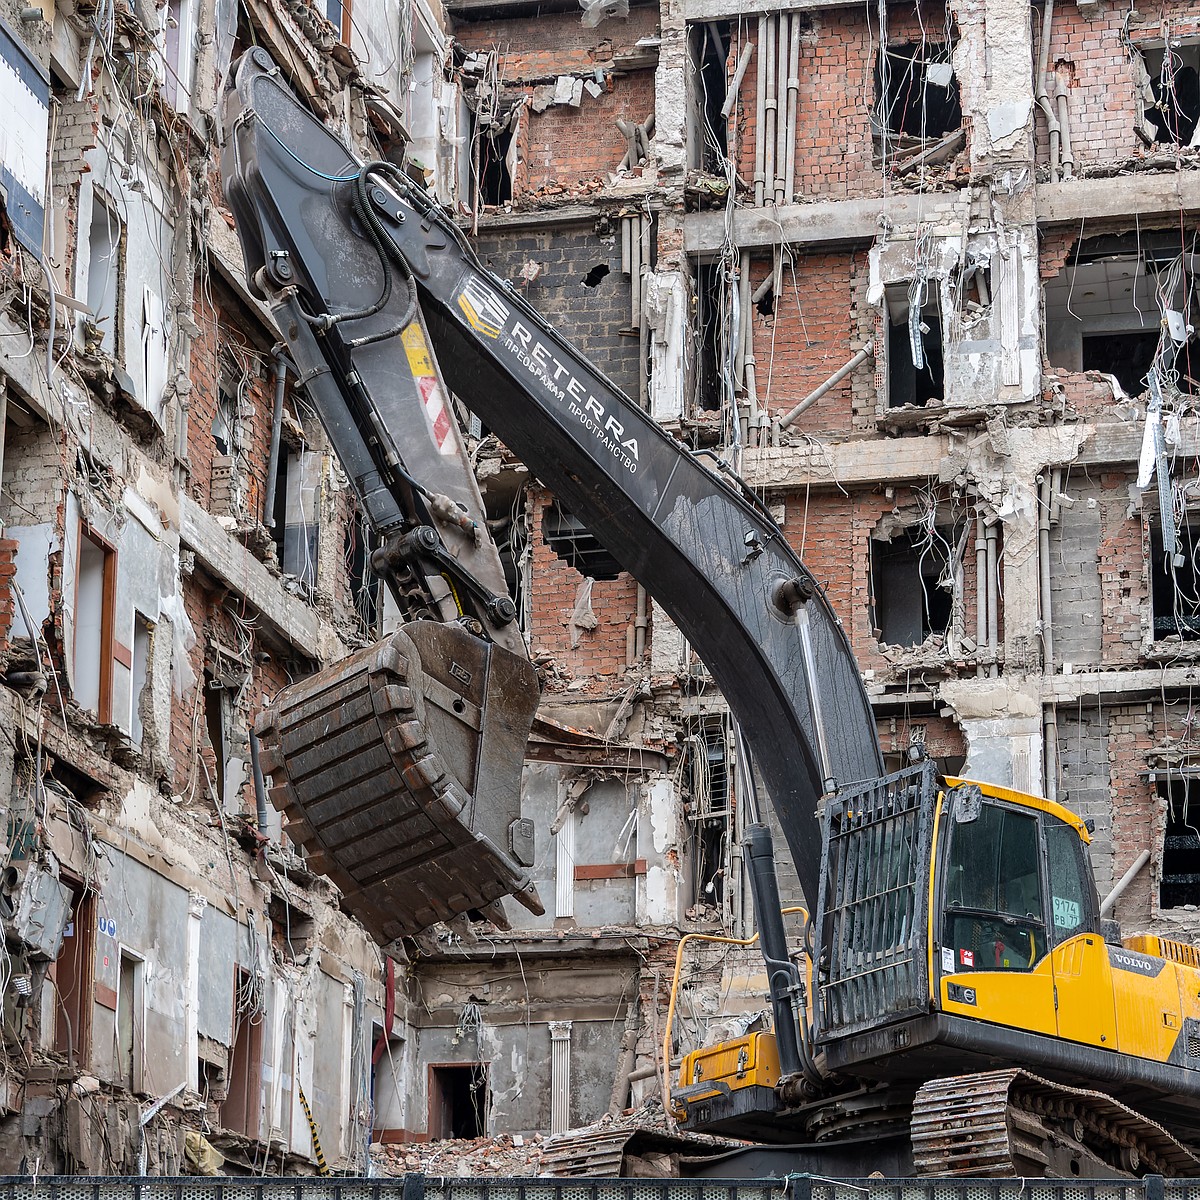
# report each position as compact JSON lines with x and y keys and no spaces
{"x":504,"y":1155}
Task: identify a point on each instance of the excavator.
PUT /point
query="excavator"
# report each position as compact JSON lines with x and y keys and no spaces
{"x":956,"y":1003}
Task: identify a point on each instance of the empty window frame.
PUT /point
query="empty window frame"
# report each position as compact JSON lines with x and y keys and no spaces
{"x":1175,"y":583}
{"x":1180,"y":878}
{"x":912,"y":585}
{"x":459,"y":1099}
{"x":916,"y":91}
{"x":106,"y":236}
{"x":297,"y":528}
{"x":178,"y":51}
{"x":709,"y":781}
{"x":242,"y":1108}
{"x":72,"y":975}
{"x":1175,"y":82}
{"x":915,"y":360}
{"x":1103,"y":311}
{"x":131,"y":1020}
{"x":708,"y":45}
{"x":95,"y":592}
{"x":492,"y":164}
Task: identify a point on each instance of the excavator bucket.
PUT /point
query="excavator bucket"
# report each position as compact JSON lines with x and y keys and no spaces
{"x":399,"y":772}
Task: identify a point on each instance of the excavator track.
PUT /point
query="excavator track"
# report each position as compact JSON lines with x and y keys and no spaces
{"x":1013,"y":1123}
{"x":398,"y":770}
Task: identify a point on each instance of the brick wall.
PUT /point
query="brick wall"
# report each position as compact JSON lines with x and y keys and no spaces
{"x":1085,"y":781}
{"x":588,"y":317}
{"x":834,"y":150}
{"x":598,"y":660}
{"x":1124,"y":579}
{"x":1136,"y":819}
{"x":1088,"y":54}
{"x":567,"y":147}
{"x":818,"y":323}
{"x":8,"y":570}
{"x":560,"y":44}
{"x":832,"y":534}
{"x":223,"y":337}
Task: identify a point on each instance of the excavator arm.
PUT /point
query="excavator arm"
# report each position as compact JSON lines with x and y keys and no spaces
{"x":366,"y":276}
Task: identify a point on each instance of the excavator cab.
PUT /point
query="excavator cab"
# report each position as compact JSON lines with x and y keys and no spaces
{"x":957,"y":930}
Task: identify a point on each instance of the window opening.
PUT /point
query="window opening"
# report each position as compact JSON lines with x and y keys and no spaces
{"x":95,"y":588}
{"x":459,"y":1099}
{"x":388,"y":1085}
{"x":916,"y":90}
{"x":105,"y":235}
{"x":130,"y":1020}
{"x":711,"y":316}
{"x":709,"y":60}
{"x":72,"y":975}
{"x":566,"y":535}
{"x":916,"y":370}
{"x":143,"y":633}
{"x":1180,"y":881}
{"x":338,"y":14}
{"x":178,"y":41}
{"x":241,"y":1109}
{"x":494,"y":172}
{"x":993,"y":910}
{"x":1175,"y":81}
{"x":1174,"y":584}
{"x":912,"y":584}
{"x":229,"y":385}
{"x":297,"y":528}
{"x":216,"y":723}
{"x":708,"y":780}
{"x":1125,"y":355}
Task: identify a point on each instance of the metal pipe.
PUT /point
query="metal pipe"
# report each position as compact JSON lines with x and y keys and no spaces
{"x":763,"y":288}
{"x":260,"y":787}
{"x":770,"y":65}
{"x":793,"y":104}
{"x":624,"y":245}
{"x":867,"y":352}
{"x":1050,"y":749}
{"x":1064,"y":127}
{"x":980,"y":590}
{"x":782,"y":43}
{"x":1041,"y":96}
{"x":1109,"y":902}
{"x":991,"y":535}
{"x":760,"y":112}
{"x":629,"y":132}
{"x":276,"y":426}
{"x":735,"y":84}
{"x":643,"y":324}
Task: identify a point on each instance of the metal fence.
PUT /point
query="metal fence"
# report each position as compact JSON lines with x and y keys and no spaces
{"x":429,"y":1187}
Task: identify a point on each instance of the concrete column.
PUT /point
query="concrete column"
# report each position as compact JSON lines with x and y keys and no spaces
{"x":564,"y":866}
{"x":191,"y":1010}
{"x":560,"y":1076}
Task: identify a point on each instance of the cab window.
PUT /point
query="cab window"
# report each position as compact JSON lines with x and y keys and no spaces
{"x":994,"y":916}
{"x":1071,"y":895}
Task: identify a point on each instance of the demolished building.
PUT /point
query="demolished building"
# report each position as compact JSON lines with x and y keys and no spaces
{"x":923,"y":275}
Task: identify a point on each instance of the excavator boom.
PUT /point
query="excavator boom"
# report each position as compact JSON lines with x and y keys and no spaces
{"x":325,"y":234}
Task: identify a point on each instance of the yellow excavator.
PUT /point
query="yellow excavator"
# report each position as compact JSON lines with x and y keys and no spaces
{"x":956,"y":1004}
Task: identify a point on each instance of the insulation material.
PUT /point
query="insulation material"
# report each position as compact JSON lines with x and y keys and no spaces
{"x":183,"y":638}
{"x":595,"y":11}
{"x":582,"y":618}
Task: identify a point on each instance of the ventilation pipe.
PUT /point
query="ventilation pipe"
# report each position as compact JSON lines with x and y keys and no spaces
{"x":276,"y":426}
{"x":782,"y":47}
{"x":1041,"y":95}
{"x":1064,"y":127}
{"x":770,"y":66}
{"x":981,"y":608}
{"x":735,"y":84}
{"x":867,"y":352}
{"x":760,"y":114}
{"x":793,"y":103}
{"x":1111,"y":899}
